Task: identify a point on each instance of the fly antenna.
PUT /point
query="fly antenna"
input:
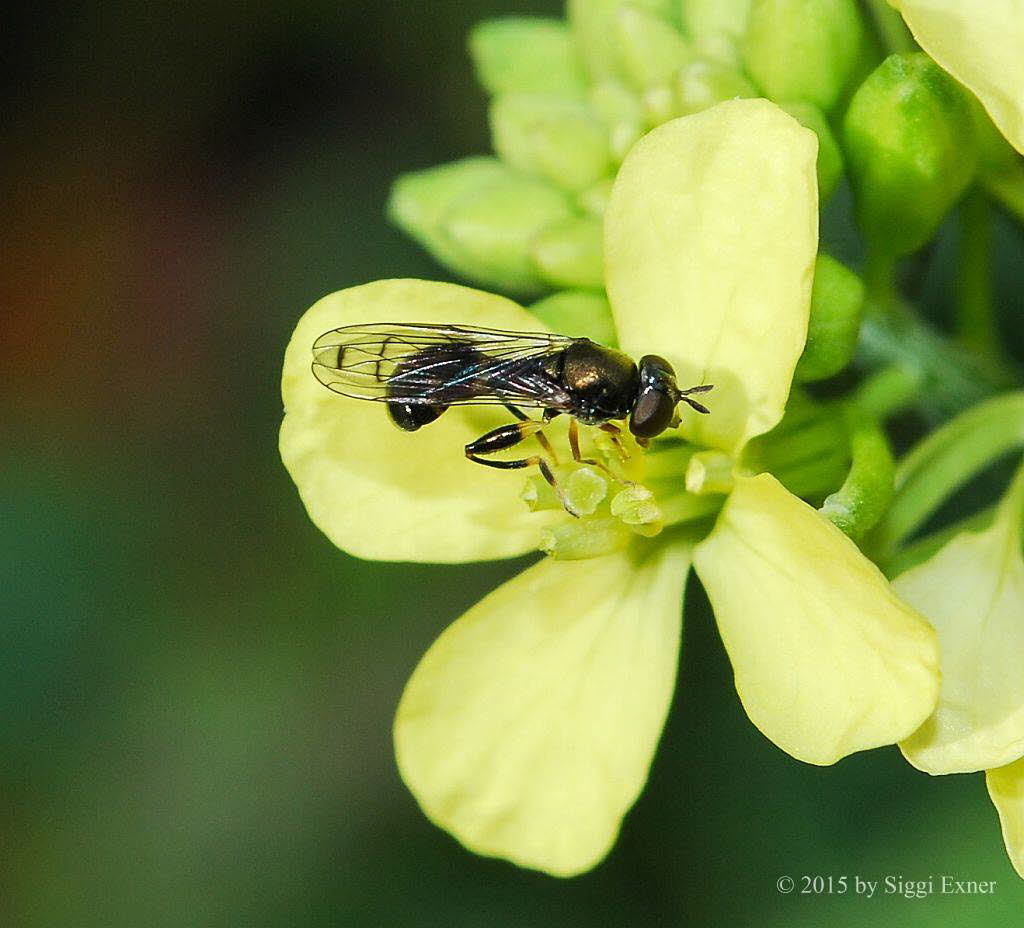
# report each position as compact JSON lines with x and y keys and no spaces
{"x":685,"y":396}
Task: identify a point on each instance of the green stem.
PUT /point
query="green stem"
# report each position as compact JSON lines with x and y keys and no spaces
{"x":1007,"y":187}
{"x":892,"y":31}
{"x":880,"y":278}
{"x":943,"y":462}
{"x":889,"y":390}
{"x":951,"y":379}
{"x":975,"y":315}
{"x":862,"y":499}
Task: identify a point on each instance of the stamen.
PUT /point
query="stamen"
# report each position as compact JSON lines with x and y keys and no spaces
{"x":709,"y":472}
{"x":583,"y":491}
{"x":539,"y":495}
{"x":636,"y":506}
{"x":578,"y":539}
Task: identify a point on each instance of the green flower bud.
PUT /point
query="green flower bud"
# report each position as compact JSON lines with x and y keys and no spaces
{"x":554,"y":137}
{"x":803,"y":49}
{"x":660,"y":105}
{"x":721,"y":47}
{"x":489,"y":235}
{"x":911,"y":147}
{"x":419,"y":202}
{"x":830,"y":156}
{"x":594,"y":200}
{"x":650,"y":49}
{"x":526,"y":54}
{"x":592,"y":24}
{"x":707,"y":17}
{"x":580,"y":313}
{"x":571,"y":253}
{"x":702,"y":84}
{"x":837,"y":306}
{"x":622,"y":113}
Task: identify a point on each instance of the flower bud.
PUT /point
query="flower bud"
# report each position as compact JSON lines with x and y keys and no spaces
{"x":650,"y":49}
{"x":837,"y":305}
{"x":911,"y":147}
{"x":702,"y":84}
{"x":830,"y":157}
{"x":593,"y":26}
{"x":720,"y":47}
{"x":622,"y":113}
{"x":578,"y":313}
{"x":708,"y":17}
{"x":570,"y":254}
{"x":489,"y":235}
{"x":660,"y":105}
{"x":594,"y":200}
{"x":527,"y":54}
{"x":803,"y":49}
{"x":554,"y":137}
{"x":420,"y":200}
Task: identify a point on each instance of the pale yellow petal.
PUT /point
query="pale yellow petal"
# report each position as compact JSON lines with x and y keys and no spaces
{"x":981,"y":43}
{"x":1006,"y":788}
{"x":827,"y":660}
{"x":376,"y":491}
{"x":972,"y":591}
{"x":710,"y":240}
{"x":528,"y":728}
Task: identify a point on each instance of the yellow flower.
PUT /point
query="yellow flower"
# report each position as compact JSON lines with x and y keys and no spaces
{"x":1006,"y":787}
{"x":972,"y":590}
{"x":528,"y":728}
{"x":981,"y":43}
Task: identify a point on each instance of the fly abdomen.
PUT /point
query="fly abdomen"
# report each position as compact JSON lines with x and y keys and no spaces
{"x":442,"y":373}
{"x":411,"y":416}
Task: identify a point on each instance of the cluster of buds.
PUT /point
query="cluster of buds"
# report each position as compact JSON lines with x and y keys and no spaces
{"x":570,"y":98}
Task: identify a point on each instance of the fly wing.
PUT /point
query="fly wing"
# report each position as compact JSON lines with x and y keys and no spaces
{"x":450,"y":365}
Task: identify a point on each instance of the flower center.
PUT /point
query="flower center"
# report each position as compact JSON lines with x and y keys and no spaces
{"x":618,"y":492}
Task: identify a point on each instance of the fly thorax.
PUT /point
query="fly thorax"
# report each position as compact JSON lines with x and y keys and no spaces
{"x":602,"y":382}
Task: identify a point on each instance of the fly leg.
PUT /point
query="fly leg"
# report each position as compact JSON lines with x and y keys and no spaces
{"x":615,"y":432}
{"x":508,"y":436}
{"x":574,"y":446}
{"x":542,"y":439}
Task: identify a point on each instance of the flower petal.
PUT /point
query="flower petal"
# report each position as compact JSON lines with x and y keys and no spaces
{"x":827,"y":660}
{"x":710,"y":239}
{"x":1006,"y":788}
{"x":972,"y":591}
{"x":381,"y":493}
{"x":982,"y":46}
{"x":528,"y":727}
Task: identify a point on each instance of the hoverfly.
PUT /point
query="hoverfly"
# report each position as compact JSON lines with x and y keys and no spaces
{"x":420,"y":370}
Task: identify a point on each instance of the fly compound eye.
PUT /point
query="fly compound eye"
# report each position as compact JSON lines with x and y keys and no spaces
{"x":652,"y":413}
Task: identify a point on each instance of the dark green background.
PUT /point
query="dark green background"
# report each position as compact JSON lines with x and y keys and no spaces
{"x":196,"y":687}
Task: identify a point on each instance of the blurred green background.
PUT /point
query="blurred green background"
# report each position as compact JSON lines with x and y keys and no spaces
{"x":196,"y":687}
